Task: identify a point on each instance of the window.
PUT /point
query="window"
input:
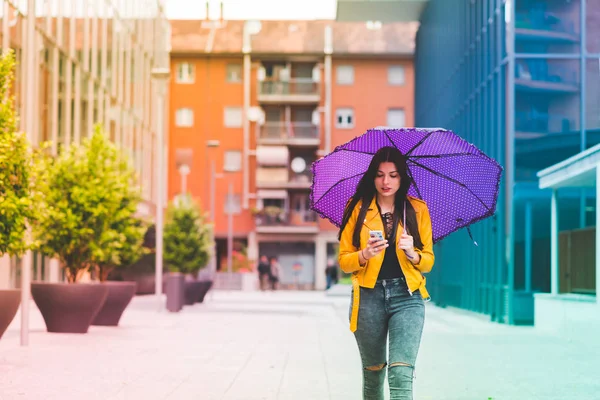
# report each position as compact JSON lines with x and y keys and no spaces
{"x":396,"y":118}
{"x":396,"y":75}
{"x":345,"y":75}
{"x":233,"y":204}
{"x":234,"y":73}
{"x":184,"y":117}
{"x":185,"y":73}
{"x":344,"y":118}
{"x":233,"y":117}
{"x":233,"y":161}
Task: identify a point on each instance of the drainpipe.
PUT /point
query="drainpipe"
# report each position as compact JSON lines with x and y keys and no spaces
{"x":328,"y":50}
{"x":246,"y":49}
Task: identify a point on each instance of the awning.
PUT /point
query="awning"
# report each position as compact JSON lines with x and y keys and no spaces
{"x":578,"y":171}
{"x":271,"y":194}
{"x":272,"y":156}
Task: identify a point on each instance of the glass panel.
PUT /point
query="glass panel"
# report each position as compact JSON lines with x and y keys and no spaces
{"x":547,"y":109}
{"x":547,"y":26}
{"x":592,"y":102}
{"x":592,"y":25}
{"x":536,"y":246}
{"x":233,"y":117}
{"x":345,"y":75}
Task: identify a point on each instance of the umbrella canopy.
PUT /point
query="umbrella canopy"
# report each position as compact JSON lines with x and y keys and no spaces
{"x":458,"y":181}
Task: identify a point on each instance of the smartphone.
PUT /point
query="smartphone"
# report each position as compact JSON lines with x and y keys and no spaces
{"x":377,"y":234}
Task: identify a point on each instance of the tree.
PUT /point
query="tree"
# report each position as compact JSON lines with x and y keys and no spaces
{"x":121,"y":242}
{"x":121,"y":237}
{"x":187,"y":237}
{"x":89,"y":194}
{"x":16,"y":188}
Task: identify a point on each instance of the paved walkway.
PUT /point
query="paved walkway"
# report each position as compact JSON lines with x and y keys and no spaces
{"x":288,"y":346}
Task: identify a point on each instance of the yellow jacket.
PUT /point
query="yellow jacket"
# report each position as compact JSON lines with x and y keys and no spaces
{"x":366,"y":275}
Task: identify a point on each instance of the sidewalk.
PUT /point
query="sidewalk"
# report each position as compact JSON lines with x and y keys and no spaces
{"x":284,"y":345}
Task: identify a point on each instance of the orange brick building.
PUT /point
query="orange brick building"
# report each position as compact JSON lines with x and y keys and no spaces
{"x":253,"y":104}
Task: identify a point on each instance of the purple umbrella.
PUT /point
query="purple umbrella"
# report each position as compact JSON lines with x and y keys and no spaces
{"x":458,"y":181}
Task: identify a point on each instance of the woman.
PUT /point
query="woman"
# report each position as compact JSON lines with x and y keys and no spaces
{"x":387,"y":275}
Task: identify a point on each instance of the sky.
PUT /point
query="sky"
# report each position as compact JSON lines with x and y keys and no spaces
{"x":252,"y":9}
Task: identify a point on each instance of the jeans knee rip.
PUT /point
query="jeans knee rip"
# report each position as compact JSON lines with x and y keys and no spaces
{"x":376,"y":368}
{"x":401,"y":364}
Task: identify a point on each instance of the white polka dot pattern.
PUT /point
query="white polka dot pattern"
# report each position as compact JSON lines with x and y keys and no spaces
{"x":458,"y":182}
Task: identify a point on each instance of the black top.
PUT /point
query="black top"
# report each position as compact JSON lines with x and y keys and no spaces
{"x":390,"y":268}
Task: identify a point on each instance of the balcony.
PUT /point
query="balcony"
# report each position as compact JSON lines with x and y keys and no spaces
{"x":302,"y":134}
{"x":264,"y":180}
{"x":293,"y":91}
{"x":539,"y":76}
{"x":535,"y":124}
{"x":539,"y":25}
{"x":276,"y":220}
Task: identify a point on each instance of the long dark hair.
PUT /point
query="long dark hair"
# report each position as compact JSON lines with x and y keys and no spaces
{"x":365,"y":191}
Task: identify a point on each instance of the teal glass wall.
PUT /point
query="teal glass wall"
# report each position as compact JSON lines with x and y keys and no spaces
{"x":521,"y":80}
{"x":461,"y":71}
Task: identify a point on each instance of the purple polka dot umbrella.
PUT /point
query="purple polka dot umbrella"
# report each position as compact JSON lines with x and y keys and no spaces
{"x":458,"y":181}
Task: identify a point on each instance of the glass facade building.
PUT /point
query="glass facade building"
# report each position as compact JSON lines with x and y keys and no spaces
{"x":92,"y":65}
{"x":520,"y":79}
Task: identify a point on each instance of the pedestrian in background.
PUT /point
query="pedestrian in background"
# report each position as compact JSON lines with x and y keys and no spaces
{"x":274,"y":273}
{"x":264,"y":269}
{"x":331,"y":273}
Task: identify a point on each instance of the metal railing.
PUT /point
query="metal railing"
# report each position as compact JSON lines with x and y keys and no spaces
{"x":288,"y":130}
{"x":541,"y":20}
{"x":295,"y":86}
{"x":539,"y":122}
{"x":291,"y":218}
{"x":543,"y":71}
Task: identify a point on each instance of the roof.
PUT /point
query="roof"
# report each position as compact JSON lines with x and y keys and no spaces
{"x":293,"y":37}
{"x":576,"y":171}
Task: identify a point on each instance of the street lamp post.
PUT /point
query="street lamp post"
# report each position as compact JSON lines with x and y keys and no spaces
{"x":212,"y":190}
{"x":230,"y":232}
{"x":160,"y":76}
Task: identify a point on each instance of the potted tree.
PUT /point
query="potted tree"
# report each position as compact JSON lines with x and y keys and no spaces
{"x":80,"y":191}
{"x":187,"y":239}
{"x":120,"y":246}
{"x":16,"y":189}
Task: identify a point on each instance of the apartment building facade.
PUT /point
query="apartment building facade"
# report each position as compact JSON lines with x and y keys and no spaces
{"x":93,"y":63}
{"x":254,"y":104}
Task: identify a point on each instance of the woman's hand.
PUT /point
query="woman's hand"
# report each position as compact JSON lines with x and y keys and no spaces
{"x":406,"y":243}
{"x":374,"y":247}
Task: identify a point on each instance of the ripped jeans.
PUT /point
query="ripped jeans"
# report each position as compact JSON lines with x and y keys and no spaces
{"x":389,"y":309}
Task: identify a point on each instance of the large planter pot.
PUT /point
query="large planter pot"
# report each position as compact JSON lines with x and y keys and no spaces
{"x":9,"y":304}
{"x":145,"y":281}
{"x":204,"y":288}
{"x":68,"y":307}
{"x":175,"y":291}
{"x":192,"y":292}
{"x":118,"y":298}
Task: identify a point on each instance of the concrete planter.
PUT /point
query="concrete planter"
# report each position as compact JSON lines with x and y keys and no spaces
{"x":9,"y":304}
{"x":68,"y":307}
{"x":193,"y":290}
{"x":175,"y":283}
{"x":145,"y":281}
{"x":118,"y":298}
{"x":205,"y":286}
